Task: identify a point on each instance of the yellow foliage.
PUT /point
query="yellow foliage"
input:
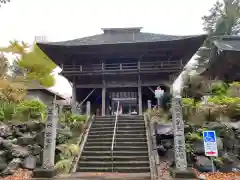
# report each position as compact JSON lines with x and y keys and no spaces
{"x":36,"y":64}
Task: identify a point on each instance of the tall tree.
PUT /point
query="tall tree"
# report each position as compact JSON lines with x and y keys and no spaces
{"x":223,"y":19}
{"x":33,"y":65}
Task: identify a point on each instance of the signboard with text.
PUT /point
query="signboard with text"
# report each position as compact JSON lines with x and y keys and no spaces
{"x":179,"y":138}
{"x":158,"y":92}
{"x":210,"y":143}
{"x":50,"y":138}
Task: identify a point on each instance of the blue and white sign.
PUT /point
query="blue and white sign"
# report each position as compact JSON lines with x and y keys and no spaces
{"x":210,"y":143}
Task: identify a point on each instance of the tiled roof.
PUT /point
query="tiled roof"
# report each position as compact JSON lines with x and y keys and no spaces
{"x":228,"y":43}
{"x":118,"y":36}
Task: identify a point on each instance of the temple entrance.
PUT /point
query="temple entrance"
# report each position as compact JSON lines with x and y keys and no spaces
{"x":126,"y":107}
{"x":127,"y":97}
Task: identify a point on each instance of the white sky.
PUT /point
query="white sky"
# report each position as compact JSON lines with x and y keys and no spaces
{"x":68,"y":19}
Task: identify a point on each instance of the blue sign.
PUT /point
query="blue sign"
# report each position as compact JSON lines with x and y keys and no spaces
{"x":209,"y":136}
{"x":210,"y":143}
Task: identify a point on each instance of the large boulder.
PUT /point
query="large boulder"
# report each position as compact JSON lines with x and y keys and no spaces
{"x":7,"y":143}
{"x":36,"y":149}
{"x":203,"y":164}
{"x":26,"y":139}
{"x":164,"y":129}
{"x":5,"y":131}
{"x":12,"y":166}
{"x":29,"y":162}
{"x":3,"y":162}
{"x":19,"y":151}
{"x":198,"y":147}
{"x":231,"y":163}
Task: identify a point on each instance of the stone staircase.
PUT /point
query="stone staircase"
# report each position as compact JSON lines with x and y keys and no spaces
{"x":130,"y":154}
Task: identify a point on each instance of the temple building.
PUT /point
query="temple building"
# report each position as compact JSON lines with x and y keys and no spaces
{"x":224,"y":61}
{"x":121,"y":64}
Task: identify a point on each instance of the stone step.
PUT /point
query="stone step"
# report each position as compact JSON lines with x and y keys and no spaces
{"x":118,"y":125}
{"x":115,"y":153}
{"x":107,"y":139}
{"x":141,"y":128}
{"x":115,"y":169}
{"x":116,"y":148}
{"x":122,"y":121}
{"x":103,"y":176}
{"x":119,"y":132}
{"x":117,"y":143}
{"x":119,"y":117}
{"x":96,"y":136}
{"x":114,"y":164}
{"x":106,"y":132}
{"x":115,"y":158}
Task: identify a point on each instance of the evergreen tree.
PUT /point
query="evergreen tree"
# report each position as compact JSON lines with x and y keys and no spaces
{"x":224,"y":19}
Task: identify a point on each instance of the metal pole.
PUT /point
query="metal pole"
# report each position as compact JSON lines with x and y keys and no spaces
{"x":158,"y":103}
{"x":212,"y":165}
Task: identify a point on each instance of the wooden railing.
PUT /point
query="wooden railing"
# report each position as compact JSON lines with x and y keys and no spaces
{"x":133,"y":66}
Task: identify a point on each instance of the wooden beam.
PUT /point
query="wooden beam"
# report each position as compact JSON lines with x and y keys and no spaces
{"x":121,"y":84}
{"x":86,"y":97}
{"x":95,"y":73}
{"x":151,"y":90}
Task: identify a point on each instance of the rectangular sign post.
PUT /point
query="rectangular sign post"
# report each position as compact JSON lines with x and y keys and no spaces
{"x":210,"y":145}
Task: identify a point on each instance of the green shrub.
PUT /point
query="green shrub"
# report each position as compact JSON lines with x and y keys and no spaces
{"x":34,"y":109}
{"x":7,"y":111}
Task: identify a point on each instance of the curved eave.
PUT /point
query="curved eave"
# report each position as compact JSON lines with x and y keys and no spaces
{"x":105,"y":39}
{"x":188,"y":46}
{"x":225,"y":46}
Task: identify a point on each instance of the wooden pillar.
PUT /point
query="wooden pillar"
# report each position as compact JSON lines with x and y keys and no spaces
{"x":139,"y":96}
{"x":74,"y":99}
{"x":103,"y":99}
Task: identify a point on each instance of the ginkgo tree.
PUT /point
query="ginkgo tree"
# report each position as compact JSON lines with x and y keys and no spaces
{"x":30,"y":67}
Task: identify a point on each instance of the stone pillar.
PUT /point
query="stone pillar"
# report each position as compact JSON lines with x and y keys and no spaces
{"x":103,"y":101}
{"x":88,"y":109}
{"x":47,"y":169}
{"x":149,"y":103}
{"x":74,"y":99}
{"x":179,"y":141}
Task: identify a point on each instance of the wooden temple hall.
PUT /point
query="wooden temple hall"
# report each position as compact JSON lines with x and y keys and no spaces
{"x":121,"y":64}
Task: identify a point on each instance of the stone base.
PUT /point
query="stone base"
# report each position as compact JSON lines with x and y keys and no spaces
{"x":188,"y":173}
{"x":44,"y":173}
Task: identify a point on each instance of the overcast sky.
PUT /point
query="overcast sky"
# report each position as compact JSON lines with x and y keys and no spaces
{"x":68,"y":19}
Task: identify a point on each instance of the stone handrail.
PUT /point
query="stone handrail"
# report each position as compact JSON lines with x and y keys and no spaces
{"x":152,"y":149}
{"x":81,"y":142}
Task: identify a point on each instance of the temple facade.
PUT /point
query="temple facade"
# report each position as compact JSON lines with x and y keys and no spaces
{"x":121,"y":64}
